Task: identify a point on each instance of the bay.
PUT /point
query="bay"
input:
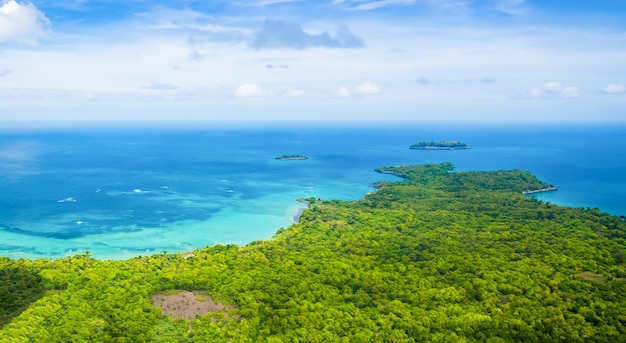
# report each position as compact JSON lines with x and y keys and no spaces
{"x":123,"y":192}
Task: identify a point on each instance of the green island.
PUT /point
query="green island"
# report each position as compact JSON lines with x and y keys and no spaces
{"x":286,"y":157}
{"x":442,"y":145}
{"x":440,"y":256}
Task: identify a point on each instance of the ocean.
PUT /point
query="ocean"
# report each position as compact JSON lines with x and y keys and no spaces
{"x":124,"y":192}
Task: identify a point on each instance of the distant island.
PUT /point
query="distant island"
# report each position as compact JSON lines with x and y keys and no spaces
{"x":443,"y":145}
{"x":292,"y":157}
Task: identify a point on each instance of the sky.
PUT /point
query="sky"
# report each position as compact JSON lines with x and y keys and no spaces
{"x":321,"y":61}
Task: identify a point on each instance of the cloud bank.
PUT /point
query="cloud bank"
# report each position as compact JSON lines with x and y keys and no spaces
{"x":160,"y":86}
{"x":367,"y":88}
{"x":282,"y":34}
{"x":363,"y":89}
{"x":138,"y":59}
{"x":554,"y":89}
{"x":249,"y":90}
{"x":615,"y":88}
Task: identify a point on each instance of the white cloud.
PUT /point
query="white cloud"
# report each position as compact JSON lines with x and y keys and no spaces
{"x":615,"y":88}
{"x":22,"y":23}
{"x":537,"y":92}
{"x":161,"y":86}
{"x":125,"y":56}
{"x":294,"y":93}
{"x":367,"y":88}
{"x":249,"y":90}
{"x":570,"y":92}
{"x":343,"y":92}
{"x":552,"y":87}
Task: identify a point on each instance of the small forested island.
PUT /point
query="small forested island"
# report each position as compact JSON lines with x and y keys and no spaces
{"x":440,"y":256}
{"x":442,"y":145}
{"x":292,"y":157}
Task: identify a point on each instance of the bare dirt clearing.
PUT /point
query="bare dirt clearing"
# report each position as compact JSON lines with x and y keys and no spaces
{"x":187,"y":305}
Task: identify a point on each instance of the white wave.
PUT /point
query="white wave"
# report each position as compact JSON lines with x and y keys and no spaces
{"x":70,"y":199}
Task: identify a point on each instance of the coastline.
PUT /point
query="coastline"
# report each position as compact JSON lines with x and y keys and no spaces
{"x":587,"y":177}
{"x":381,"y":170}
{"x":547,"y":189}
{"x":296,"y":217}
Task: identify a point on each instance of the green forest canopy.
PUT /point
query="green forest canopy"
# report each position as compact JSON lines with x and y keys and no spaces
{"x":441,"y":256}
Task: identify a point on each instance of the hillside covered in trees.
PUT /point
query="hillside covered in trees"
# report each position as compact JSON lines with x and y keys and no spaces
{"x":441,"y":256}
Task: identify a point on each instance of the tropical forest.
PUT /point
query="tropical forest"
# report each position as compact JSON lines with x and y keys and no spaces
{"x":440,"y":256}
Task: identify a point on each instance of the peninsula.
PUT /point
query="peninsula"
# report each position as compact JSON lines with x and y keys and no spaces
{"x":437,"y":256}
{"x":442,"y":145}
{"x":292,"y":157}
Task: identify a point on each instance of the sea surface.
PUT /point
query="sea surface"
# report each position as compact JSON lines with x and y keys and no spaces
{"x":119,"y":193}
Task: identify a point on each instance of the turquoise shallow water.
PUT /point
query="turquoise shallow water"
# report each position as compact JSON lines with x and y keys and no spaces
{"x":123,"y":193}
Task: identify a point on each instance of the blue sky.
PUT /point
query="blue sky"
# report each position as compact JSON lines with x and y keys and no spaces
{"x":327,"y":60}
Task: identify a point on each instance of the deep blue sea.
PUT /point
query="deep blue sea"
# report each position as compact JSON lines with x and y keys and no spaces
{"x":119,"y":193}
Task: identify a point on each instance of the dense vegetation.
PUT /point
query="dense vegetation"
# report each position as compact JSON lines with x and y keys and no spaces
{"x":441,"y":256}
{"x":445,"y":145}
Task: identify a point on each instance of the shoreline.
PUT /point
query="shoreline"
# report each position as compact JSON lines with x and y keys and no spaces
{"x":547,"y":189}
{"x":296,"y":217}
{"x":381,"y":170}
